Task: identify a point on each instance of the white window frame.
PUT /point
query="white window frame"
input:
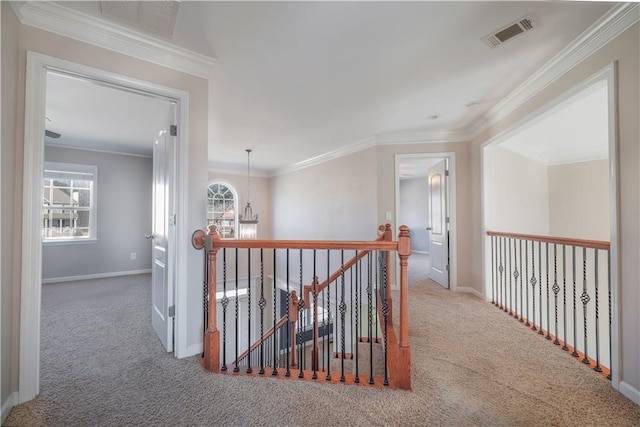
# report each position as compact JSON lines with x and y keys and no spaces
{"x":236,"y":203}
{"x":51,"y":168}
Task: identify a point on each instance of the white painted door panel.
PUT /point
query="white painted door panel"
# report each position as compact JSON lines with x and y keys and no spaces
{"x":438,"y":225}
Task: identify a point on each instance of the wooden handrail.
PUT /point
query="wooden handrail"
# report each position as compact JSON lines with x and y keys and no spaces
{"x":259,"y":341}
{"x":595,"y":244}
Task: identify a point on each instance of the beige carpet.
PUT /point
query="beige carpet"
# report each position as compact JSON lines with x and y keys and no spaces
{"x":472,"y":366}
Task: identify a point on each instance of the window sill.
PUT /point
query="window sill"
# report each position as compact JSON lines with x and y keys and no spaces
{"x":70,"y":242}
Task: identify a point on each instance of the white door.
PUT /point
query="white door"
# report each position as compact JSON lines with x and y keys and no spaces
{"x":163,"y":227}
{"x":438,"y":223}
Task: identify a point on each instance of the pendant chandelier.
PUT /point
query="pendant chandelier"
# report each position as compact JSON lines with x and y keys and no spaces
{"x":248,"y":221}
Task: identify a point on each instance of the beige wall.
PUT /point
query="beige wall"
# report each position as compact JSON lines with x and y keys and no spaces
{"x":520,"y":194}
{"x":9,"y":297}
{"x":387,"y":203}
{"x":625,"y":50}
{"x":579,"y":200}
{"x":335,"y":200}
{"x":30,"y":39}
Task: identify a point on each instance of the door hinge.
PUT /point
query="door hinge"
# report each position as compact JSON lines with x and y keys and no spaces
{"x":447,"y":220}
{"x":172,"y":311}
{"x":446,"y":172}
{"x":447,"y":267}
{"x":173,"y":130}
{"x":172,"y":220}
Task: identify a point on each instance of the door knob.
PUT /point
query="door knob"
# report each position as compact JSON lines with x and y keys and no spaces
{"x":429,"y":228}
{"x":149,"y":236}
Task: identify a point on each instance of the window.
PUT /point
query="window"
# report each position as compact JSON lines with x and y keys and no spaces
{"x":222,"y":209}
{"x":68,"y":203}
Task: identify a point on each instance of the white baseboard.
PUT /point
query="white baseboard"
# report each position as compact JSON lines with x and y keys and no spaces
{"x":420,"y":252}
{"x":470,"y":290}
{"x":95,"y":276}
{"x":9,"y":403}
{"x":630,"y":391}
{"x":193,"y":350}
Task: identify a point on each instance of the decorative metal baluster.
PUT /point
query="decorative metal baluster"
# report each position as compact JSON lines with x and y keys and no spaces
{"x":565,"y":347}
{"x":597,"y":368}
{"x":301,"y":326}
{"x":548,"y":336}
{"x":585,"y":300}
{"x":205,"y":292}
{"x":540,"y":331}
{"x":510,"y":266}
{"x":493,"y":272}
{"x":328,"y":342}
{"x":236,"y":368}
{"x":516,"y":273}
{"x":376,"y":269}
{"x":276,"y":345}
{"x":224,"y":302}
{"x":556,"y":289}
{"x":533,"y":283}
{"x":343,"y":310}
{"x":370,"y":316}
{"x":262,"y":303}
{"x":609,"y":291}
{"x":521,"y":294}
{"x":357,"y":314}
{"x":385,"y":313}
{"x":314,"y":353}
{"x":575,"y":309}
{"x":288,"y":339}
{"x":351,"y":327}
{"x":249,"y":370}
{"x":526,"y":275}
{"x":501,"y":270}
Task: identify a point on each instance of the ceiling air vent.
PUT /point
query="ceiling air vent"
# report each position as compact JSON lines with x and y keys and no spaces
{"x":510,"y":31}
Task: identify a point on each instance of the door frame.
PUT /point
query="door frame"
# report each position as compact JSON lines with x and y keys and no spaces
{"x":451,"y":199}
{"x":608,"y":73}
{"x":31,"y":269}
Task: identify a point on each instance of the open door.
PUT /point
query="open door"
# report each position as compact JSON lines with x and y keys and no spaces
{"x":163,"y":225}
{"x":438,"y":223}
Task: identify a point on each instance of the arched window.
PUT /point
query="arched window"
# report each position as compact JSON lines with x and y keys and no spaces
{"x":222,"y":201}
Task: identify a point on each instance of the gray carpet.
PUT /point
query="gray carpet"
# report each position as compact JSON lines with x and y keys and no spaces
{"x":472,"y":365}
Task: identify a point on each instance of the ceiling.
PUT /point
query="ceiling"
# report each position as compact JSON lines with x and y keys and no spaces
{"x":297,"y":80}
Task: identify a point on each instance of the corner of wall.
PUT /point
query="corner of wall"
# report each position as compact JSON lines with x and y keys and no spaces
{"x":8,"y":404}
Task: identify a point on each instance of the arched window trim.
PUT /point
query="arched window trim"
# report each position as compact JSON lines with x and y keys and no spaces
{"x":236,"y":202}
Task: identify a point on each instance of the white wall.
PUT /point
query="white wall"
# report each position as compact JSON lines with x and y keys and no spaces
{"x":123,"y":217}
{"x":579,"y":200}
{"x":414,"y":211}
{"x":521,"y":196}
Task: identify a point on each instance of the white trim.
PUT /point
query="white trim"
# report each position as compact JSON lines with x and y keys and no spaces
{"x":120,"y":153}
{"x":420,"y":252}
{"x":408,"y":137}
{"x":331,"y":155}
{"x":8,"y":404}
{"x":451,"y":197}
{"x":608,"y":27}
{"x":37,"y":67}
{"x":235,"y":169}
{"x":470,"y":290}
{"x":95,"y":276}
{"x":193,"y":350}
{"x":68,"y":22}
{"x":630,"y":391}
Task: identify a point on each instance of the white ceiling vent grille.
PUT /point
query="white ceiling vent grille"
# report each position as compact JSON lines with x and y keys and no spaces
{"x":157,"y":17}
{"x":512,"y":30}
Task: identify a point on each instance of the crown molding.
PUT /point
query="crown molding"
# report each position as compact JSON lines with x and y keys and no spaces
{"x":335,"y":154}
{"x":235,"y":169}
{"x":611,"y":25}
{"x":70,"y":23}
{"x":406,"y":137}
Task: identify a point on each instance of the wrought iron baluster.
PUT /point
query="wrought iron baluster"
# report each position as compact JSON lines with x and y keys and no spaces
{"x":493,"y":273}
{"x":555,"y":289}
{"x":249,"y":370}
{"x":540,"y":331}
{"x":370,"y":316}
{"x":262,"y":303}
{"x":526,"y":276}
{"x":205,"y":292}
{"x":516,"y":273}
{"x":533,"y":283}
{"x":548,"y":336}
{"x":575,"y":309}
{"x":328,"y":342}
{"x":385,"y":313}
{"x":301,"y":326}
{"x":276,"y":346}
{"x":224,"y":302}
{"x":521,"y":294}
{"x":357,"y":317}
{"x":501,"y":270}
{"x":314,"y":353}
{"x":597,"y":368}
{"x":565,"y":347}
{"x":343,"y":310}
{"x":288,"y":339}
{"x":510,"y":266}
{"x":585,"y":300}
{"x":236,"y":368}
{"x":609,"y":291}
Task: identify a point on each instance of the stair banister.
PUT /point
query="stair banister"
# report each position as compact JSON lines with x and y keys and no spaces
{"x":404,"y":351}
{"x":212,"y":335}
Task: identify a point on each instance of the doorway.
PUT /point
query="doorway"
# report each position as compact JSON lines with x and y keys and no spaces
{"x":425,"y":189}
{"x":38,"y":66}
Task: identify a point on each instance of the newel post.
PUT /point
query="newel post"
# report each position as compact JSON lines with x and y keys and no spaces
{"x":212,"y":334}
{"x":404,"y":351}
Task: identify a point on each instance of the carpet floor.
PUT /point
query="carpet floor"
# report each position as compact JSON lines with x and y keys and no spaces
{"x":102,"y":365}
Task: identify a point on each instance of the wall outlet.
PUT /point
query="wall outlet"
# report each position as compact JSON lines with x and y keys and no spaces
{"x":133,"y":255}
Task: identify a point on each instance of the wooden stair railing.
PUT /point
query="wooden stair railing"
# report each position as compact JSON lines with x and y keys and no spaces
{"x":399,"y":352}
